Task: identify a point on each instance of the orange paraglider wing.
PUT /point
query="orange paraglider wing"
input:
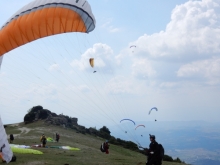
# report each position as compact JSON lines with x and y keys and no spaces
{"x":92,"y":62}
{"x":44,"y":18}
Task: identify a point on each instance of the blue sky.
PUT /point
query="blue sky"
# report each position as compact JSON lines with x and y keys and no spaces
{"x":174,"y":67}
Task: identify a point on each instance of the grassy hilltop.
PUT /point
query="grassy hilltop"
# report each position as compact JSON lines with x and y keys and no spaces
{"x":89,"y":154}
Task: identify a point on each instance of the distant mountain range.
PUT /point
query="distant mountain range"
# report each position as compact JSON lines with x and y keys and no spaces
{"x":206,"y":162}
{"x":195,"y":142}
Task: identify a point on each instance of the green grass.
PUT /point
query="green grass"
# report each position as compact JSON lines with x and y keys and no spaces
{"x":89,"y":145}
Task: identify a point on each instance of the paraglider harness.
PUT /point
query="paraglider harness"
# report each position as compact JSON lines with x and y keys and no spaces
{"x":160,"y":151}
{"x":102,"y":148}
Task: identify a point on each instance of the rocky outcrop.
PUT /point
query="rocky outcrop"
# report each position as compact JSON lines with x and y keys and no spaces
{"x":39,"y":113}
{"x":62,"y":120}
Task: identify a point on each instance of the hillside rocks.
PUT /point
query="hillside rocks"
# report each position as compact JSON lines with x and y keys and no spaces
{"x":38,"y":113}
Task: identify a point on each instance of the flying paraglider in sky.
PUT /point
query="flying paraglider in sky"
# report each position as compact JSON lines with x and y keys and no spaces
{"x":140,"y":126}
{"x":154,"y":108}
{"x":43,"y":19}
{"x":133,"y":47}
{"x":92,"y":63}
{"x":127,"y":120}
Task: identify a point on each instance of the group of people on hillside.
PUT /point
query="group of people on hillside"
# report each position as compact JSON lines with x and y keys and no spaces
{"x":154,"y":153}
{"x":43,"y":139}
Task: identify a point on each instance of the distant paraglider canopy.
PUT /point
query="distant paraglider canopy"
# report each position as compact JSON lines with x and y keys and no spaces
{"x":92,"y":63}
{"x":140,"y":126}
{"x":127,"y":120}
{"x":154,"y":108}
{"x":133,"y":46}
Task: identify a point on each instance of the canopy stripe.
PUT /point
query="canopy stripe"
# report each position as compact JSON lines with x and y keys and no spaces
{"x":42,"y":18}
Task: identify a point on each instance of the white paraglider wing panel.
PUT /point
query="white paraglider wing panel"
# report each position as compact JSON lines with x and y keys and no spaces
{"x":4,"y":146}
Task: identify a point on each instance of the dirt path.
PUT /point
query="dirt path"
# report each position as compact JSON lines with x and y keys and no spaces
{"x":24,"y":130}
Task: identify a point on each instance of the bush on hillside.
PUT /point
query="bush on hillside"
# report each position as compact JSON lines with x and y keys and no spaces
{"x":104,"y":133}
{"x":167,"y":158}
{"x":28,"y":118}
{"x":177,"y":160}
{"x":43,"y":114}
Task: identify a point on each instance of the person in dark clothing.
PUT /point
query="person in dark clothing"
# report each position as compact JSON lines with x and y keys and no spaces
{"x":106,"y":147}
{"x":11,"y":138}
{"x":43,"y":140}
{"x":57,"y":137}
{"x":153,"y":154}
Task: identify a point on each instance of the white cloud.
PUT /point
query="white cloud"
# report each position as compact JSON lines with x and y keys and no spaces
{"x":79,"y":88}
{"x":142,"y":69}
{"x":188,"y":47}
{"x":2,"y":74}
{"x":208,"y":69}
{"x":109,"y":27}
{"x":54,"y":67}
{"x":42,"y":91}
{"x":168,"y":84}
{"x":119,"y":58}
{"x":119,"y":84}
{"x":192,"y":33}
{"x":84,"y":88}
{"x":113,"y":30}
{"x":103,"y":57}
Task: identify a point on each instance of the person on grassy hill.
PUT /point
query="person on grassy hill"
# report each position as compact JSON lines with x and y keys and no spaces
{"x":153,"y":153}
{"x":106,"y":147}
{"x":57,"y":137}
{"x":43,"y":140}
{"x":11,"y":138}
